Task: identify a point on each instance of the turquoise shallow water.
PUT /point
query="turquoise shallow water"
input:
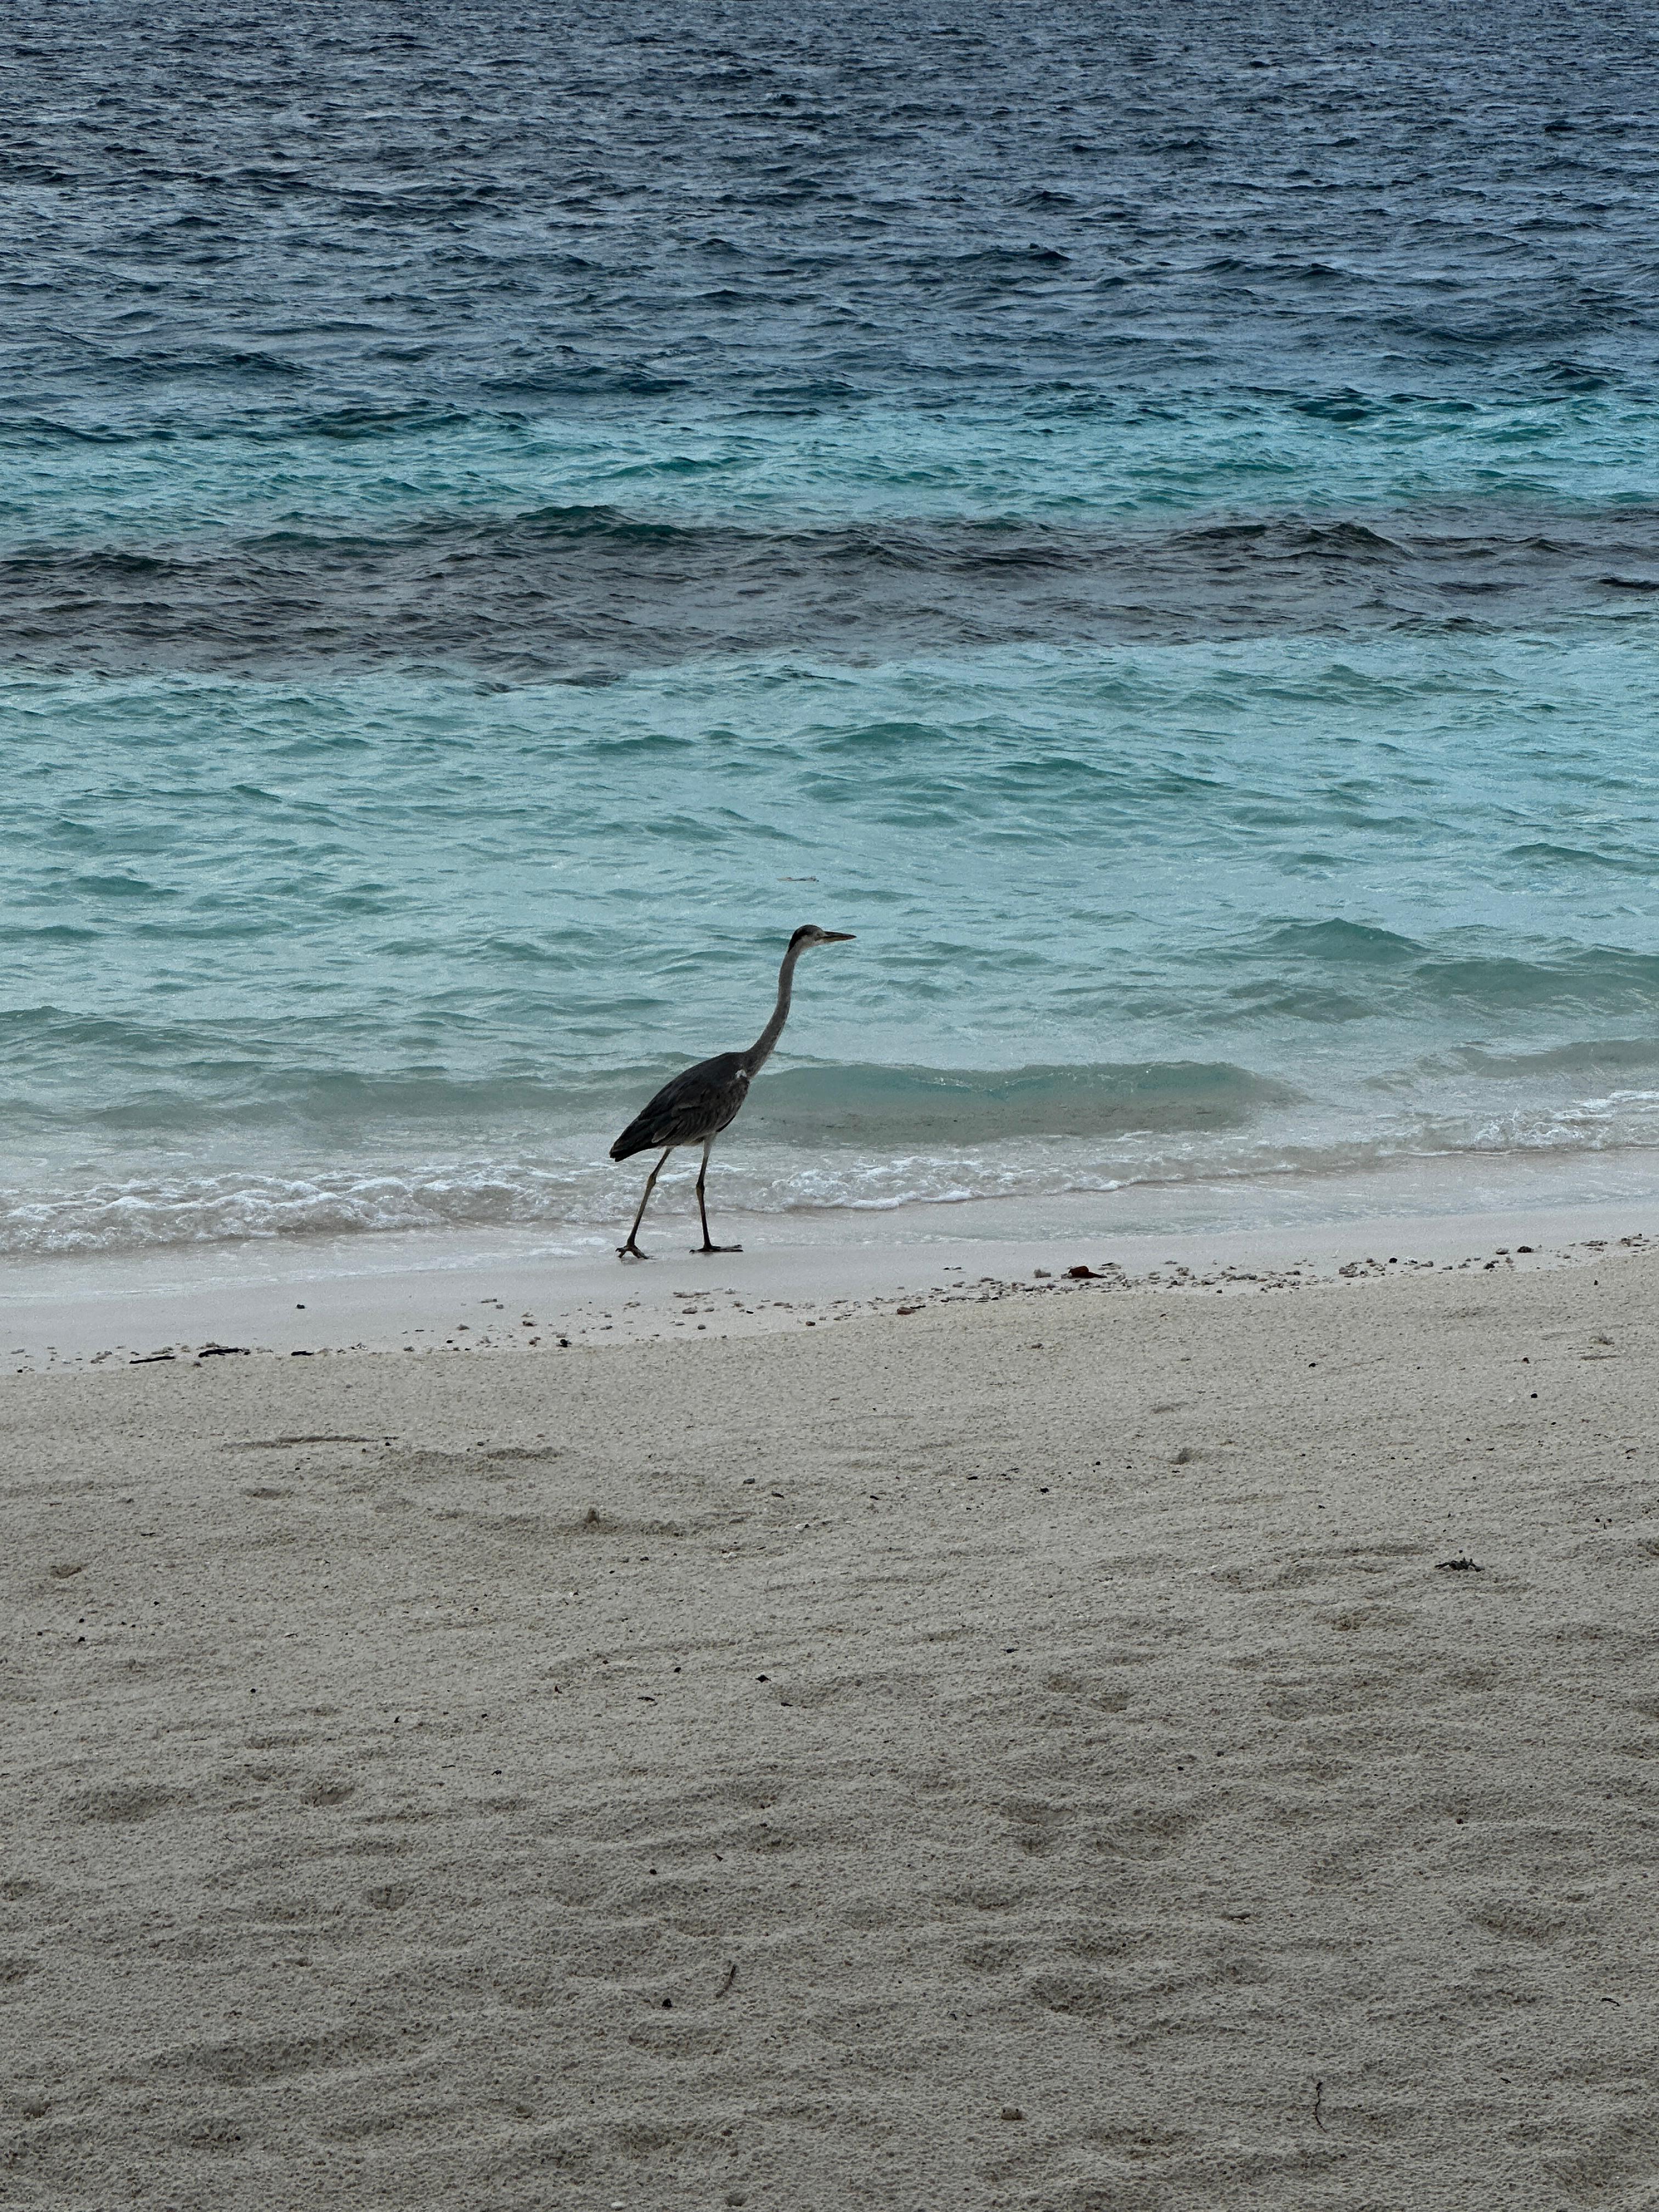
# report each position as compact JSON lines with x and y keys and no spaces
{"x":1179,"y":582}
{"x":410,"y":948}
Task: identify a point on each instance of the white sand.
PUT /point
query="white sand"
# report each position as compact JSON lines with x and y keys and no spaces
{"x":1024,"y":1754}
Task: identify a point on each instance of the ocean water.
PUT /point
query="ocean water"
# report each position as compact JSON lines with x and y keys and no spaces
{"x":1153,"y":523}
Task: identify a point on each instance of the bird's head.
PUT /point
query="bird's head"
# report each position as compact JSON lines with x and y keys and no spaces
{"x":810,"y":935}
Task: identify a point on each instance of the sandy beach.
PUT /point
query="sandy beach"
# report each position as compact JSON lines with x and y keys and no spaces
{"x":1056,"y":1746}
{"x":996,"y":665}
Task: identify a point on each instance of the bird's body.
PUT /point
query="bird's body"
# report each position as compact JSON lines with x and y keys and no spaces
{"x":695,"y":1106}
{"x":698,"y":1103}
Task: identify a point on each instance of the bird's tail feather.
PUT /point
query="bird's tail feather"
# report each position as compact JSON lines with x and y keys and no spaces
{"x":636,"y":1138}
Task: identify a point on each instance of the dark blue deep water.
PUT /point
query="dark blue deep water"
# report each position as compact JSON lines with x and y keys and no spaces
{"x":1151,"y":521}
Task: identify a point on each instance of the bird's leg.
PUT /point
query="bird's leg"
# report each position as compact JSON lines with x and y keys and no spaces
{"x":631,"y":1250}
{"x":706,"y":1245}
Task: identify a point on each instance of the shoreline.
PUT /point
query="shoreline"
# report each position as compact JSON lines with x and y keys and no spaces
{"x":428,"y":1293}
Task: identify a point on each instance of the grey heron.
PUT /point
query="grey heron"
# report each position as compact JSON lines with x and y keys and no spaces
{"x":695,"y":1107}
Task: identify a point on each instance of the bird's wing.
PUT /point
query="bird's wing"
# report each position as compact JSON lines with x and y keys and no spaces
{"x":689,"y":1108}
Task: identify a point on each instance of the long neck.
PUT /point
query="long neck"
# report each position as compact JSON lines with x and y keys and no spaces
{"x":760,"y":1051}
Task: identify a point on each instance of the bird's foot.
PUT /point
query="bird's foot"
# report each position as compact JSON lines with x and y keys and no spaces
{"x":702,"y":1251}
{"x":631,"y":1251}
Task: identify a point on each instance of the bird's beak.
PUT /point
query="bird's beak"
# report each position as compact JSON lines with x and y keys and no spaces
{"x":838,"y":936}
